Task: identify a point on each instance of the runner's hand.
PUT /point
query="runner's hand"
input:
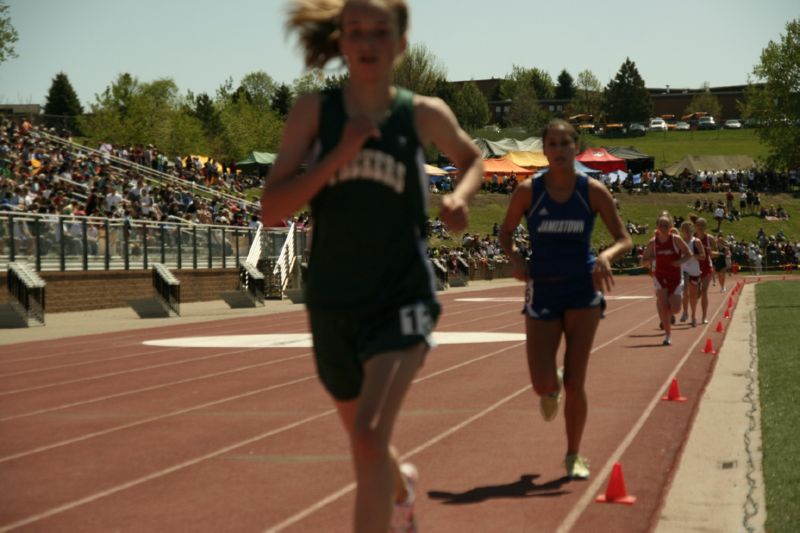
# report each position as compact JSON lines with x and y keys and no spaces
{"x":601,"y":274}
{"x":356,"y":132}
{"x":454,"y":213}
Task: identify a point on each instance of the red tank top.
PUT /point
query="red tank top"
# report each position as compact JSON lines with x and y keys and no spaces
{"x":705,"y":264}
{"x":667,"y":252}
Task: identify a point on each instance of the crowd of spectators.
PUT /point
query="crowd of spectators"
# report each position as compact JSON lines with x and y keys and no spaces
{"x":754,"y":181}
{"x":40,"y":177}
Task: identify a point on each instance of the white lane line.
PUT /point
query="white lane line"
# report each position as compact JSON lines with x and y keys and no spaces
{"x":106,"y":431}
{"x":308,"y":511}
{"x":169,"y":470}
{"x":311,"y":509}
{"x":153,"y":387}
{"x":121,"y":338}
{"x":123,"y":372}
{"x":594,"y":487}
{"x":159,"y":473}
{"x":89,"y":362}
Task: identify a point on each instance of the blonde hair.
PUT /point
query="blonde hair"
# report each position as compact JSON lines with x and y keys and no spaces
{"x":318,"y":25}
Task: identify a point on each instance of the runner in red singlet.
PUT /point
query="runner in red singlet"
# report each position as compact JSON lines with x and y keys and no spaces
{"x":706,"y":267}
{"x":669,"y":252}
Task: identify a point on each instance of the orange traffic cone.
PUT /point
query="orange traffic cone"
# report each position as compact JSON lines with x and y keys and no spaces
{"x":727,"y":314}
{"x":719,"y":327}
{"x":616,"y":491}
{"x":709,"y":348}
{"x":674,"y":394}
{"x":730,"y":302}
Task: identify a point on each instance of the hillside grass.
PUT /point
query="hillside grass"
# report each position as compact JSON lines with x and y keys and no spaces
{"x":667,"y":148}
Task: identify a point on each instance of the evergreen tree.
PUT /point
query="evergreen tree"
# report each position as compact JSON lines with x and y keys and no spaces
{"x":627,"y":99}
{"x":565,"y":90}
{"x":204,"y":110}
{"x":282,"y":100}
{"x":62,"y":106}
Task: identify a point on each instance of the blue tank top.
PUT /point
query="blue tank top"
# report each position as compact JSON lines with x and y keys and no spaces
{"x":560,"y":233}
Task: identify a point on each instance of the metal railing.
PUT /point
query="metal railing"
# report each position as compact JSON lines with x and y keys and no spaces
{"x":286,"y":260}
{"x":51,"y":242}
{"x":167,"y":288}
{"x":27,"y":289}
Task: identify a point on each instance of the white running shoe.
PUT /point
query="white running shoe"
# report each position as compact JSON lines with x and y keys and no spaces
{"x":548,"y":404}
{"x":403,"y":519}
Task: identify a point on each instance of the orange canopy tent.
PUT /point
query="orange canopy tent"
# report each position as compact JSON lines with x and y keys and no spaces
{"x":600,"y":159}
{"x":502,"y":166}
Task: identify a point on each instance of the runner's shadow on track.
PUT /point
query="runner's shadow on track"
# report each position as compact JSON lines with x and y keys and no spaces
{"x":522,"y":488}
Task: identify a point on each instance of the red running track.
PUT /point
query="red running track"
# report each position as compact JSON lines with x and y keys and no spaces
{"x":103,"y":432}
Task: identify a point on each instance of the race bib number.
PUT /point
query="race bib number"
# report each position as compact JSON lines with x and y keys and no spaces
{"x":415,"y":320}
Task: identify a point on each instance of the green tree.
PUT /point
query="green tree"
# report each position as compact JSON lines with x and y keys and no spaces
{"x":525,"y":111}
{"x":588,"y":95}
{"x":565,"y":90}
{"x":282,"y":100}
{"x":524,"y":87}
{"x":336,"y":81}
{"x":8,"y":34}
{"x":704,"y":101}
{"x":260,"y":87}
{"x":776,"y":103}
{"x":311,"y":81}
{"x":419,"y":70}
{"x":204,"y":109}
{"x":62,"y":107}
{"x":626,"y":98}
{"x":538,"y":80}
{"x":247,"y":128}
{"x":470,"y":106}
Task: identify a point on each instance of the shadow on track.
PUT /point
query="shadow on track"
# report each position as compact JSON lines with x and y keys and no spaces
{"x":522,"y":488}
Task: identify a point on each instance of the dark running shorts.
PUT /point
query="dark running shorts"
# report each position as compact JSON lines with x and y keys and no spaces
{"x":549,"y":301}
{"x":344,"y":341}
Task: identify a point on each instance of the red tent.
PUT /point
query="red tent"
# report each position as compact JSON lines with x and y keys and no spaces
{"x":501,"y":166}
{"x":600,"y":159}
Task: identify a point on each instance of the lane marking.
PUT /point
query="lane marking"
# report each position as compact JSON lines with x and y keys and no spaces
{"x":520,"y":299}
{"x":303,"y":340}
{"x":597,"y":481}
{"x":304,"y":513}
{"x":152,"y":388}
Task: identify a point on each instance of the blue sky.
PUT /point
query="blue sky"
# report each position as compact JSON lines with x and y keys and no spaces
{"x":201,"y":43}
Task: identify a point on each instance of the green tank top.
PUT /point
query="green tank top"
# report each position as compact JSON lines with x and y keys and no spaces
{"x":368,"y":240}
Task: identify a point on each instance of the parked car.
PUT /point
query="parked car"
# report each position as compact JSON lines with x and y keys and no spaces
{"x":682,"y":126}
{"x":657,"y":124}
{"x":706,"y":123}
{"x":732,"y":124}
{"x":636,"y":130}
